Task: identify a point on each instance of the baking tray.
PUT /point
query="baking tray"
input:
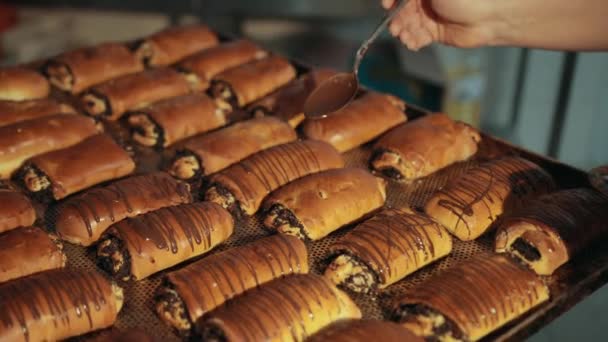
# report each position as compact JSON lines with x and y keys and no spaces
{"x":569,"y":285}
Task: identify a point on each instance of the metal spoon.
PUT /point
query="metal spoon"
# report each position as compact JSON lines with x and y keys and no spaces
{"x":598,"y":177}
{"x":339,"y":90}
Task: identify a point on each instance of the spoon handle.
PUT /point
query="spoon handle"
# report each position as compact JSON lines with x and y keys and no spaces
{"x":397,"y":5}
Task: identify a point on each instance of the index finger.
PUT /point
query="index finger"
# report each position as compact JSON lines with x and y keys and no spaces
{"x":387,"y":3}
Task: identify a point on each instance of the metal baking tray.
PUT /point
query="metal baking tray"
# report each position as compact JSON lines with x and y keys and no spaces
{"x":569,"y":285}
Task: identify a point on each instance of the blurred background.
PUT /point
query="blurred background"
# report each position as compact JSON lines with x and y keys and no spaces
{"x":553,"y":103}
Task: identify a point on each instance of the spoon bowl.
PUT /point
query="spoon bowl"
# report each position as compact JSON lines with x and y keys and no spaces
{"x":331,"y":95}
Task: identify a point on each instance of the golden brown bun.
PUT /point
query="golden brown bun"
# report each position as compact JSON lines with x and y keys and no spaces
{"x":423,"y":146}
{"x":236,"y":270}
{"x":77,"y":70}
{"x":468,"y":205}
{"x":325,"y":201}
{"x":26,"y":139}
{"x":26,"y":251}
{"x":94,"y":160}
{"x":19,"y":83}
{"x":393,"y":244}
{"x":58,"y":304}
{"x":477,"y":296}
{"x":548,"y":231}
{"x":82,"y":219}
{"x":183,"y":116}
{"x":170,"y":45}
{"x":113,"y":98}
{"x":16,"y":210}
{"x":364,"y":331}
{"x":166,"y":237}
{"x":229,"y":145}
{"x":17,"y":111}
{"x":287,"y":103}
{"x":256,"y":79}
{"x":286,"y":309}
{"x":252,"y":179}
{"x":359,"y":122}
{"x":210,"y":62}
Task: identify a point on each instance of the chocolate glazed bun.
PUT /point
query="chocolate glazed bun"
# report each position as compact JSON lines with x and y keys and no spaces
{"x":16,"y":210}
{"x":385,"y":249}
{"x":470,"y":300}
{"x":359,"y":330}
{"x":191,"y":292}
{"x":215,"y":60}
{"x":241,"y":188}
{"x":552,"y":229}
{"x":244,"y":84}
{"x":19,"y":83}
{"x":359,"y":122}
{"x":83,"y":218}
{"x":163,"y":123}
{"x":170,"y":45}
{"x":418,"y":148}
{"x":58,"y":304}
{"x":79,"y":69}
{"x":468,"y":205}
{"x":28,"y":250}
{"x":57,"y":174}
{"x":210,"y":153}
{"x":140,"y":246}
{"x":17,"y":111}
{"x":314,"y":206}
{"x":287,"y":103}
{"x":25,"y":139}
{"x":113,"y":98}
{"x":287,"y":309}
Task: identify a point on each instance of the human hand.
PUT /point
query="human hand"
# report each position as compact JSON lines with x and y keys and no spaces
{"x":461,"y":23}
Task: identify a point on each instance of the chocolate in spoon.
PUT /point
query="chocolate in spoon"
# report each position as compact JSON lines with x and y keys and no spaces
{"x":337,"y":91}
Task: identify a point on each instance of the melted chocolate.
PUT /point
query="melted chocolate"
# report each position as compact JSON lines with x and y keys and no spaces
{"x":48,"y":296}
{"x":136,"y":195}
{"x":234,"y":271}
{"x":486,"y":183}
{"x":258,"y":317}
{"x":401,"y":232}
{"x":527,"y":250}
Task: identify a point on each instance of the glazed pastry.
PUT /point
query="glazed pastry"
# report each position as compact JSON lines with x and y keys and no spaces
{"x":19,"y":83}
{"x":241,"y":188}
{"x":249,"y":82}
{"x":308,"y":303}
{"x":470,"y":300}
{"x":170,"y":45}
{"x":80,"y":69}
{"x":468,"y":205}
{"x":550,"y":230}
{"x":165,"y":122}
{"x":287,"y":103}
{"x":360,"y":121}
{"x":187,"y":294}
{"x":213,"y":61}
{"x":316,"y":205}
{"x":28,"y":250}
{"x":57,"y":174}
{"x":16,"y":210}
{"x":419,"y":148}
{"x":113,"y":98}
{"x":82,"y":219}
{"x":17,"y":111}
{"x":385,"y":249}
{"x":359,"y":330}
{"x":209,"y":153}
{"x":25,"y":139}
{"x":140,"y":246}
{"x":57,"y":304}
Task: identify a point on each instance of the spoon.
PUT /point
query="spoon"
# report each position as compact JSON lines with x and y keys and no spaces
{"x":337,"y":91}
{"x":598,"y":178}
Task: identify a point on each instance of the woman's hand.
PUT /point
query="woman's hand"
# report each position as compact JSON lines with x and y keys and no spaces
{"x":546,"y":24}
{"x":461,"y":23}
